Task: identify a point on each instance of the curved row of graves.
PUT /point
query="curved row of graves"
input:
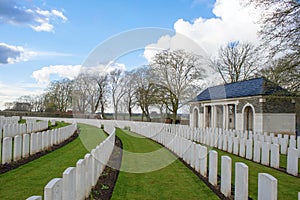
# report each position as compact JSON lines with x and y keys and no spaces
{"x":20,"y":141}
{"x":261,"y":148}
{"x":181,"y":140}
{"x":77,"y":182}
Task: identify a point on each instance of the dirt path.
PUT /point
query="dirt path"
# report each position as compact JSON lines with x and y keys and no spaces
{"x":106,"y":183}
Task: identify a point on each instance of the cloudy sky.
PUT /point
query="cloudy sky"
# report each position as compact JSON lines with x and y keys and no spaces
{"x":44,"y":40}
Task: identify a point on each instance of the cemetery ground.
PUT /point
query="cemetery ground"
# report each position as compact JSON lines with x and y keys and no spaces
{"x":161,"y":185}
{"x":16,"y":164}
{"x":174,"y":181}
{"x":288,"y":185}
{"x":31,"y":178}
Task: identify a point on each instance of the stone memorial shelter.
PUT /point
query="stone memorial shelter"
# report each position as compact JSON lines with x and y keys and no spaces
{"x":257,"y":105}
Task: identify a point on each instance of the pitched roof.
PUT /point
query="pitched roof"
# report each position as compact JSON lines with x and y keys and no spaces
{"x":252,"y":87}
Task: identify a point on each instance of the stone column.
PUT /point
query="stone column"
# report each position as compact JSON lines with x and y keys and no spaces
{"x":225,"y":116}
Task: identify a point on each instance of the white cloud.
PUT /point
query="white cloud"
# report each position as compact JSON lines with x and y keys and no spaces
{"x":59,"y":14}
{"x":232,"y":22}
{"x":42,"y":76}
{"x":34,"y":17}
{"x":10,"y":53}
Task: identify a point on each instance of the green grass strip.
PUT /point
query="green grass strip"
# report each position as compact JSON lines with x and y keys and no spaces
{"x":57,"y":125}
{"x":288,"y":186}
{"x":31,"y":178}
{"x":174,"y":181}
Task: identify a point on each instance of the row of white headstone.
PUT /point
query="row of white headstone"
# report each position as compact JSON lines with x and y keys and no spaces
{"x":210,"y":135}
{"x":21,"y":146}
{"x":266,"y":152}
{"x":9,"y":120}
{"x":11,"y":130}
{"x":77,"y":182}
{"x":197,"y":155}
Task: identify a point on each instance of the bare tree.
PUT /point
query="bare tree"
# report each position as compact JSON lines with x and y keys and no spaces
{"x":280,"y":32}
{"x":90,"y":92}
{"x":236,"y":61}
{"x":129,"y":92}
{"x":9,"y":105}
{"x":101,"y":84}
{"x":280,"y":28}
{"x":59,"y":95}
{"x":285,"y":73}
{"x":145,"y":91}
{"x":80,"y":94}
{"x":117,"y":89}
{"x":176,"y":74}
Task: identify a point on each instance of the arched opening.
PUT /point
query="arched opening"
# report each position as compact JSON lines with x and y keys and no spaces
{"x":248,"y":118}
{"x":208,"y":116}
{"x":196,"y":118}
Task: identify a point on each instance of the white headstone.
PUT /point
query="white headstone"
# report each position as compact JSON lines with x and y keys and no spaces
{"x":33,"y":143}
{"x":241,"y":181}
{"x":34,"y":198}
{"x":226,"y":169}
{"x":80,"y":176}
{"x":17,"y":147}
{"x":249,"y":149}
{"x":220,"y":141}
{"x":257,"y":147}
{"x":88,"y":173}
{"x":7,"y":150}
{"x":213,"y":167}
{"x":197,"y":157}
{"x":236,"y":146}
{"x":292,"y":161}
{"x":261,"y":138}
{"x":230,"y":145}
{"x":53,"y":190}
{"x":69,"y":183}
{"x":242,"y":147}
{"x":265,"y":158}
{"x":26,"y":142}
{"x":267,"y":187}
{"x":293,"y":142}
{"x":275,"y":156}
{"x":225,"y":143}
{"x":283,"y":145}
{"x":203,"y":161}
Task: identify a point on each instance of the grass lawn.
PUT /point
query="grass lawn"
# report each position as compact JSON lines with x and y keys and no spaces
{"x":174,"y":181}
{"x":31,"y":178}
{"x":288,"y":186}
{"x":57,"y":125}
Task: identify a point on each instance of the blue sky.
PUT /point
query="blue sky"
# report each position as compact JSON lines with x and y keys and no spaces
{"x":52,"y":38}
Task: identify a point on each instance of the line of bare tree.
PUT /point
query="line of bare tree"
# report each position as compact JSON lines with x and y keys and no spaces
{"x":167,"y":84}
{"x":172,"y":78}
